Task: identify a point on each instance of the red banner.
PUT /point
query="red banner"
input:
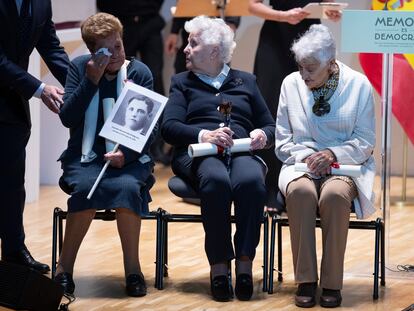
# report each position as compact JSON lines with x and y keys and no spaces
{"x":403,"y":80}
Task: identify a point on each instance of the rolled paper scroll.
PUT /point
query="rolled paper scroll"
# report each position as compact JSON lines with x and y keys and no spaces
{"x":336,"y":169}
{"x":108,"y":104}
{"x":204,"y":149}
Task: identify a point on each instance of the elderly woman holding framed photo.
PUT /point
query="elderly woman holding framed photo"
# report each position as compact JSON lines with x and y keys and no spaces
{"x":325,"y":115}
{"x":192,"y":115}
{"x":125,"y":186}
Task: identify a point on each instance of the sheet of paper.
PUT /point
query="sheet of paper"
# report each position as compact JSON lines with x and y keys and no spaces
{"x":128,"y":127}
{"x":318,"y":9}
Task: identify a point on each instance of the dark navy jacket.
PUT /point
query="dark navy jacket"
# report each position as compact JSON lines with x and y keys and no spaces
{"x":192,"y":106}
{"x":17,"y":86}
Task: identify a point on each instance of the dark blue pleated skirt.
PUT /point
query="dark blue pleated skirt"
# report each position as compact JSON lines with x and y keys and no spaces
{"x":127,"y":187}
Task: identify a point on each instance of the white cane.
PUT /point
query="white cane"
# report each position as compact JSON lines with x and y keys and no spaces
{"x":101,"y":174}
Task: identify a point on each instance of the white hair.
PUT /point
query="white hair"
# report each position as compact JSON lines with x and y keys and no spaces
{"x":213,"y":31}
{"x":317,"y":43}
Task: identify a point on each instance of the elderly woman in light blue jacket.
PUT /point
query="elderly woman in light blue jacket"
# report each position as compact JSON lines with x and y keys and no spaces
{"x":325,"y":115}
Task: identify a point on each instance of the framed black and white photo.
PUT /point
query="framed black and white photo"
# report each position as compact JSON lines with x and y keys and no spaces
{"x":133,"y":116}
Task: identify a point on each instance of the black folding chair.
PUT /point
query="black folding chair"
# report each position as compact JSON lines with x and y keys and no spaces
{"x":185,"y":191}
{"x":107,"y":215}
{"x":280,"y":219}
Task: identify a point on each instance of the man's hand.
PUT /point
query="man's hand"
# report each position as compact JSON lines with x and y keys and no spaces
{"x":117,"y":158}
{"x":52,"y":97}
{"x":259,"y":139}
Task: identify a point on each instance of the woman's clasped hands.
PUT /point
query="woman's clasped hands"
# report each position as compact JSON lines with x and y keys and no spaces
{"x":221,"y":137}
{"x":319,"y":163}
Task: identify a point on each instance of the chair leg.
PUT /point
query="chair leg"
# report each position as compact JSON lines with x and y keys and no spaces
{"x":159,"y":284}
{"x":382,"y":250}
{"x":56,"y":212}
{"x":265,"y":250}
{"x":272,"y":254}
{"x":279,"y":253}
{"x":158,"y":250}
{"x":165,"y":234}
{"x":60,"y":231}
{"x":376,"y":259}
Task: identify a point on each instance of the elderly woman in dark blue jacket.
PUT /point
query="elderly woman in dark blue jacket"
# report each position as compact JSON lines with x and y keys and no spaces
{"x":191,"y":116}
{"x":91,"y":79}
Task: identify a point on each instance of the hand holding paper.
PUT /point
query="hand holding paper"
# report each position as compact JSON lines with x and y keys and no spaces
{"x":344,"y":170}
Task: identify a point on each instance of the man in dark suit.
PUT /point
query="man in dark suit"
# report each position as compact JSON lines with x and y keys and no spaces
{"x":25,"y":25}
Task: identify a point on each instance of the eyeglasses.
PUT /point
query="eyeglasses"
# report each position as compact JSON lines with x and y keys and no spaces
{"x":321,"y":107}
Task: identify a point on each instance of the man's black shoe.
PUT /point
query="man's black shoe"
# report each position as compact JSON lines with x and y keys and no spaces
{"x":24,"y":258}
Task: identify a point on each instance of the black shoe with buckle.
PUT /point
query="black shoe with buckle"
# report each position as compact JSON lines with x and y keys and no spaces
{"x":244,"y":286}
{"x":65,"y":280}
{"x":24,"y":258}
{"x":135,"y":285}
{"x":305,"y":295}
{"x":330,"y":298}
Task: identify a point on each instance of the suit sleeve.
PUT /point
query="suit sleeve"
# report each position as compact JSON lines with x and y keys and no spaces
{"x":14,"y":77}
{"x":174,"y":129}
{"x":50,"y":50}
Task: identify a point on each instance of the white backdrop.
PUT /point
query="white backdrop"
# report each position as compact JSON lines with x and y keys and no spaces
{"x":49,"y":139}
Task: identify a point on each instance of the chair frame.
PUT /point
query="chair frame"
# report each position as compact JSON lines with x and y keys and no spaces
{"x":379,"y":251}
{"x":197,"y":218}
{"x":107,"y":215}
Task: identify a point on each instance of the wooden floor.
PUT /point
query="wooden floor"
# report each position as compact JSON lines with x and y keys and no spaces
{"x":99,"y":272}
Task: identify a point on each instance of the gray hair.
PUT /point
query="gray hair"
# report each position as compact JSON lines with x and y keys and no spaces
{"x":317,"y":43}
{"x":213,"y":31}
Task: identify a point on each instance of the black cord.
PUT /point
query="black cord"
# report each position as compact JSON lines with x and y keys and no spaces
{"x":403,"y":268}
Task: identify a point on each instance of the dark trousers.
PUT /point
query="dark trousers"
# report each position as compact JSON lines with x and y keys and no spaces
{"x":245,"y":187}
{"x":13,"y":139}
{"x":143,"y":36}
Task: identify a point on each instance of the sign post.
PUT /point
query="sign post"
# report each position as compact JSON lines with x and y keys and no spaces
{"x":386,"y":32}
